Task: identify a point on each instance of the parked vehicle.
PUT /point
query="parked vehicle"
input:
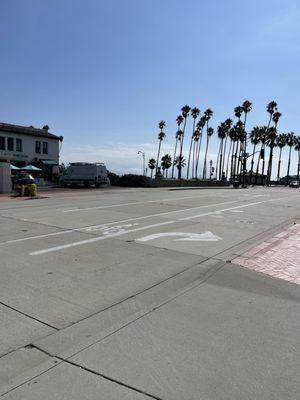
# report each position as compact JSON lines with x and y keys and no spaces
{"x":294,"y":184}
{"x":87,"y":174}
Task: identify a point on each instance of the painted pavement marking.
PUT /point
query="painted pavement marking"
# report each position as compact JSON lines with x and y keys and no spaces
{"x":100,"y":238}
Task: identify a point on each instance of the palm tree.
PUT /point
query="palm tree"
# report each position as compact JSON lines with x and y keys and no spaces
{"x":271,"y":141}
{"x":151,"y":165}
{"x":271,"y":108}
{"x":179,"y":162}
{"x":185,"y":110}
{"x":280,"y":142}
{"x":247,"y":107}
{"x":290,"y":141}
{"x":221,"y":135}
{"x":239,"y":139}
{"x":194,"y":113}
{"x":263,"y":137}
{"x":200,"y":126}
{"x":161,"y":137}
{"x":197,"y":136}
{"x":238,"y":111}
{"x":178,"y":137}
{"x":166,"y":163}
{"x":255,"y":139}
{"x":209,"y":133}
{"x":228,"y":124}
{"x":297,"y":148}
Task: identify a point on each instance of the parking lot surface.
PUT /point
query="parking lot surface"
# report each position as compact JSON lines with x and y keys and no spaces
{"x":150,"y":293}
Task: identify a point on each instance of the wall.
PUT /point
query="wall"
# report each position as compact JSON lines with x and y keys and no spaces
{"x":28,"y":148}
{"x":5,"y":177}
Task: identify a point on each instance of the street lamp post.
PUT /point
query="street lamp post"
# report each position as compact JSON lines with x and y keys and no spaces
{"x":143,"y":155}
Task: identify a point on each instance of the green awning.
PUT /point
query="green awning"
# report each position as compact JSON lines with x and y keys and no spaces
{"x":49,"y":162}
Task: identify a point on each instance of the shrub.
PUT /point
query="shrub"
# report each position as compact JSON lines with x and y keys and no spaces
{"x":113,"y":178}
{"x":133,"y":180}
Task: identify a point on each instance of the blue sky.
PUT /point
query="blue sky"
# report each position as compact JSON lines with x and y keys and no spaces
{"x":103,"y":73}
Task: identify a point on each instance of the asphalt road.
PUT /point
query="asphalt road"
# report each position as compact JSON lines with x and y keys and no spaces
{"x":134,"y":294}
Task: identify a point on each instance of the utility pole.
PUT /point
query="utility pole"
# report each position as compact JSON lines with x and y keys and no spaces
{"x":143,"y":155}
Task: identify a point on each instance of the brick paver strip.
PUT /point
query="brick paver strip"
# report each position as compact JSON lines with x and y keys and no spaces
{"x":278,"y":256}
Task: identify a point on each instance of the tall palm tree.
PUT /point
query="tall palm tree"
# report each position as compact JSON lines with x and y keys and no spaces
{"x":178,"y":136}
{"x":161,"y":137}
{"x":185,"y":110}
{"x":271,"y":108}
{"x":239,"y":139}
{"x":255,"y":139}
{"x":247,"y":107}
{"x":290,"y":141}
{"x":263,"y":139}
{"x":227,"y":127}
{"x":200,"y":127}
{"x":272,"y":143}
{"x":194,"y":113}
{"x":297,"y":148}
{"x":238,"y":111}
{"x":151,"y":165}
{"x":222,"y":134}
{"x":197,"y":135}
{"x":281,"y":143}
{"x":231,"y":135}
{"x":166,"y":163}
{"x":208,"y":113}
{"x":209,"y":133}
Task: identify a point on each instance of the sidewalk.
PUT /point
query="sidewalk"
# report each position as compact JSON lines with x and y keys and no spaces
{"x":278,"y":256}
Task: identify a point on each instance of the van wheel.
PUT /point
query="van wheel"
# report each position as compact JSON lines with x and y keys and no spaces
{"x":86,"y":184}
{"x":63,"y":184}
{"x":97,"y":185}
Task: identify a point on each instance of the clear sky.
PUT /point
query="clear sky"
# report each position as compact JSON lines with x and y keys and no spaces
{"x":103,"y":73}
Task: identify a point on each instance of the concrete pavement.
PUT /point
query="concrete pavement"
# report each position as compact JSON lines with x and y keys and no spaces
{"x":132,"y":294}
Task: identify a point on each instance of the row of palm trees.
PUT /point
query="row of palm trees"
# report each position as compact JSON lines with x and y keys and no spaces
{"x":234,"y":141}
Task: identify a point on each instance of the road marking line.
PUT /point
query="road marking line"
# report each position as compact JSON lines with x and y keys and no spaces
{"x":185,"y":236}
{"x":99,"y":238}
{"x":134,"y":203}
{"x":115,"y":222}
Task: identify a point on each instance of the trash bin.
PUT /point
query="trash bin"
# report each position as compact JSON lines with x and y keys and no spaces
{"x":236,"y":184}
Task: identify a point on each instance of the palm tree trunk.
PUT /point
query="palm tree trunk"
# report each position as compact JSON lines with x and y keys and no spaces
{"x":298,"y":168}
{"x":269,"y":173}
{"x":193,"y":162}
{"x":174,"y":158}
{"x":198,"y":155}
{"x":289,"y":164}
{"x":217,"y":163}
{"x":181,"y":146}
{"x":232,"y":160}
{"x":205,"y":157}
{"x":224,"y":156}
{"x":228,"y":159}
{"x":158,"y":152}
{"x":263,"y":166}
{"x":279,"y":164}
{"x":191,"y":144}
{"x":151,"y":173}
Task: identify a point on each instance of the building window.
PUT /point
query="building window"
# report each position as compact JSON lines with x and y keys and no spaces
{"x":19,"y":145}
{"x":45,"y":148}
{"x":37,"y":146}
{"x":2,"y":143}
{"x":10,"y":144}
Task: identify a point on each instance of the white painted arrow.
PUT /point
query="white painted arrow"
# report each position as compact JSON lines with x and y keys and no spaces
{"x":192,"y":237}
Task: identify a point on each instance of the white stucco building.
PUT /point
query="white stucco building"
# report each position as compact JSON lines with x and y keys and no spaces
{"x":21,"y":145}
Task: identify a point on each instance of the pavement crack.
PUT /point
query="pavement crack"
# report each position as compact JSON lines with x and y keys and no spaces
{"x":29,"y":316}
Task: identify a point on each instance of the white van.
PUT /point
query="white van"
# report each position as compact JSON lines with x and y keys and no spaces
{"x":87,"y":174}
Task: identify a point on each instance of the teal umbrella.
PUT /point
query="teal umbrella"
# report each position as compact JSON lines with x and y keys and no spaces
{"x":13,"y":167}
{"x":31,"y":168}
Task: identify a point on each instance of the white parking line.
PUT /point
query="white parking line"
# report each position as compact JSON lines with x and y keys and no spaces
{"x":100,"y":238}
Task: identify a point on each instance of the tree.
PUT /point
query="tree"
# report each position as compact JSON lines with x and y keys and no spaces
{"x":161,"y":137}
{"x":290,"y":141}
{"x":272,"y":141}
{"x":297,"y":148}
{"x":185,"y":110}
{"x":151,"y":165}
{"x":247,"y":107}
{"x":208,"y":113}
{"x":194,"y":113}
{"x":178,"y":137}
{"x":228,"y":124}
{"x":238,"y":111}
{"x":200,"y":126}
{"x":166,"y":163}
{"x":209,"y":133}
{"x":254,"y":138}
{"x":263,"y":136}
{"x":280,"y":142}
{"x":179,"y":162}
